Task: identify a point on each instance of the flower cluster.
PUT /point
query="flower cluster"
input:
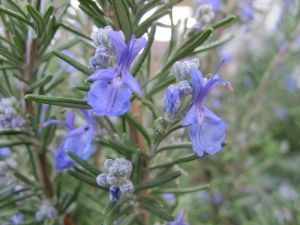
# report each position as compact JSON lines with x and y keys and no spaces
{"x":46,"y":211}
{"x":205,"y":14}
{"x":183,"y":87}
{"x":105,"y":54}
{"x":179,"y":220}
{"x":117,"y":178}
{"x":9,"y":116}
{"x":14,"y":219}
{"x":78,"y":140}
{"x":207,"y":130}
{"x":112,"y":87}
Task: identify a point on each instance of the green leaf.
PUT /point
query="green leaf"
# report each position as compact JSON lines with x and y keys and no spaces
{"x":143,"y":55}
{"x":22,"y":177}
{"x":212,"y":45}
{"x":11,"y":58}
{"x":14,"y":132}
{"x":182,"y":159}
{"x":14,"y":143}
{"x":123,"y":15}
{"x":84,"y":178}
{"x":48,"y":13}
{"x":139,"y":126}
{"x":15,"y":7}
{"x":92,"y":10}
{"x":12,"y":194}
{"x":128,"y":219}
{"x":40,"y":83}
{"x":50,"y":30}
{"x":56,"y":81}
{"x":160,"y":212}
{"x":160,"y":86}
{"x":93,"y":170}
{"x":190,"y":45}
{"x":47,"y":136}
{"x":72,"y":198}
{"x":148,"y":6}
{"x":115,"y":210}
{"x":176,"y":146}
{"x":178,"y":191}
{"x":224,"y":22}
{"x":38,"y":19}
{"x":147,"y":23}
{"x":158,"y":181}
{"x":74,"y":30}
{"x":149,"y":104}
{"x":73,"y":62}
{"x":84,"y":88}
{"x":15,"y":15}
{"x":17,"y":199}
{"x":118,"y":147}
{"x":59,"y":101}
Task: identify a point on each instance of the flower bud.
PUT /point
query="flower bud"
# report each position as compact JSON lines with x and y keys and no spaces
{"x":181,"y":69}
{"x":121,"y":168}
{"x":172,"y":101}
{"x":101,"y":36}
{"x":112,"y":180}
{"x":184,"y":88}
{"x":205,"y":14}
{"x":126,"y":186}
{"x":159,"y":126}
{"x":102,"y":180}
{"x":108,"y":163}
{"x":114,"y":193}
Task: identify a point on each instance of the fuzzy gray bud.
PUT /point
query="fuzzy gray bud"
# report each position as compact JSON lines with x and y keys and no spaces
{"x":108,"y":163}
{"x":102,"y":180}
{"x":205,"y":14}
{"x":184,"y":88}
{"x":181,"y":69}
{"x":101,"y":36}
{"x":126,"y":187}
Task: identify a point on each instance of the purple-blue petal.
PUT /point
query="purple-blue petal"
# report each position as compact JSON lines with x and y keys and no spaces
{"x":191,"y":117}
{"x":118,"y":42}
{"x":179,"y":220}
{"x":62,"y":160}
{"x":215,"y":4}
{"x":138,"y":45}
{"x":70,"y":120}
{"x":103,"y":74}
{"x":132,"y":83}
{"x":111,"y":99}
{"x":208,"y":133}
{"x":197,"y":82}
{"x":48,"y":122}
{"x":5,"y":152}
{"x":172,"y":101}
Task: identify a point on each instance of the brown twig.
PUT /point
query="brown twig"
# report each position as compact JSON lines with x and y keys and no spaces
{"x":139,"y":140}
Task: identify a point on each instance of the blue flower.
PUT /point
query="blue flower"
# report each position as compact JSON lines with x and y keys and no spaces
{"x":247,"y":11}
{"x":15,"y":219}
{"x":207,"y":130}
{"x":5,"y":152}
{"x":290,"y":83}
{"x":112,"y":88}
{"x":171,"y":102}
{"x":78,"y":140}
{"x":179,"y":220}
{"x":215,"y":4}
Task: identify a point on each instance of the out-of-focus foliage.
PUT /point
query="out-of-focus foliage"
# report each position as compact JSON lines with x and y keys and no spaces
{"x":44,"y":52}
